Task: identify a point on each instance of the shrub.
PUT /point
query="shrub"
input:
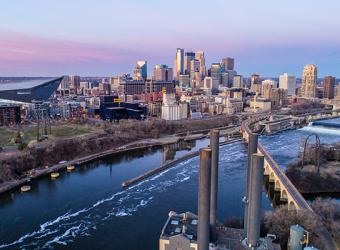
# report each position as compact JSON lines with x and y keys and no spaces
{"x":22,"y":146}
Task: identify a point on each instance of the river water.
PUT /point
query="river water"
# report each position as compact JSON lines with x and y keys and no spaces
{"x":88,"y":209}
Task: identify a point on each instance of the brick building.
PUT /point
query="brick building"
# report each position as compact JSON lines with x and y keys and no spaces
{"x":9,"y":115}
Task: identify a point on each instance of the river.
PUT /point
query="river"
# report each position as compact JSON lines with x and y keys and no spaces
{"x":88,"y":209}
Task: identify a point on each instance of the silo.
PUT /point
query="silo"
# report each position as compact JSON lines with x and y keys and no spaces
{"x":296,"y":236}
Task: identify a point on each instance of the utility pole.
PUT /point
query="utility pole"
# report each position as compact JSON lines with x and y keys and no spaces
{"x":49,"y":122}
{"x":37,"y":128}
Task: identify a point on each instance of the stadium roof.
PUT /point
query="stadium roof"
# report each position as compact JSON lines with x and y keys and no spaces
{"x":25,"y":84}
{"x":38,"y":89}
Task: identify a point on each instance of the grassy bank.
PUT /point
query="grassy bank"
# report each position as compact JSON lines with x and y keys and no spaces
{"x":105,"y":137}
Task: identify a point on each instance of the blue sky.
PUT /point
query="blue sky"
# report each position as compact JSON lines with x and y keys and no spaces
{"x":106,"y":38}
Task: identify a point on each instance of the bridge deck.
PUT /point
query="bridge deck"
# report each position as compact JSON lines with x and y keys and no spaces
{"x":291,"y":189}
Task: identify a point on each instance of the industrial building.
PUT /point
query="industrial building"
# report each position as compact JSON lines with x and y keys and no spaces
{"x":29,"y":90}
{"x":179,"y":232}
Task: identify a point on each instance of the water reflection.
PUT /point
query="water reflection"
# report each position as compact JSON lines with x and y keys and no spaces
{"x":169,"y":150}
{"x":273,"y":195}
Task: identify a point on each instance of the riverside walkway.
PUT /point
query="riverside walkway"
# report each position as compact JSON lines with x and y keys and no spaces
{"x":288,"y":191}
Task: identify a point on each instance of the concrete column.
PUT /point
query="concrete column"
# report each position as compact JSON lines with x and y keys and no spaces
{"x":215,"y":147}
{"x":203,"y":230}
{"x":255,"y":200}
{"x":252,"y":149}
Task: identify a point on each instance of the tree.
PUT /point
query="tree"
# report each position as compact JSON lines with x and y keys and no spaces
{"x":279,"y":222}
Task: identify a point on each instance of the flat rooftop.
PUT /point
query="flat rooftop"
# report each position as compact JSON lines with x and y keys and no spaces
{"x":175,"y":223}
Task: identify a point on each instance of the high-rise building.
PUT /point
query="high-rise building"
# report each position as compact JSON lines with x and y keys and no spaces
{"x":287,"y":81}
{"x":194,"y":66}
{"x":211,"y":83}
{"x":328,"y":87}
{"x":231,"y":74}
{"x":65,"y":83}
{"x":162,"y":73}
{"x":238,"y":81}
{"x":144,"y":68}
{"x":229,"y":63}
{"x":309,"y":79}
{"x":216,"y":70}
{"x":254,"y":79}
{"x":137,"y":72}
{"x":179,"y":63}
{"x":183,"y":80}
{"x":187,"y":62}
{"x":75,"y":81}
{"x":200,"y":57}
{"x":225,"y":79}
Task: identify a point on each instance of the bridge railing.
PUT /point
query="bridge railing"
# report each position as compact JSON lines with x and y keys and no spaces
{"x":298,"y":198}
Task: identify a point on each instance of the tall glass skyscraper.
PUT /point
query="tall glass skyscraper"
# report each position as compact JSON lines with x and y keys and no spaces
{"x":187,"y":61}
{"x":200,"y":57}
{"x":144,"y":68}
{"x":179,"y":63}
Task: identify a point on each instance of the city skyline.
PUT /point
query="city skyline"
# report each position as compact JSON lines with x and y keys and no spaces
{"x":52,"y":39}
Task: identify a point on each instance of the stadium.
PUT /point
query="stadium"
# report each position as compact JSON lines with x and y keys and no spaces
{"x":38,"y":89}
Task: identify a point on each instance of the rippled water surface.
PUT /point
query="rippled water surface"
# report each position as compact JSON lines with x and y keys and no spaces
{"x":88,"y":209}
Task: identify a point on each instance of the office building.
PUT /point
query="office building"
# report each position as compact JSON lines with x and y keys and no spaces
{"x":229,"y":63}
{"x":187,"y":62}
{"x":142,"y":65}
{"x":131,"y":87}
{"x":85,"y":85}
{"x":75,"y":81}
{"x":231,"y":74}
{"x":309,"y":79}
{"x":254,"y":79}
{"x":225,"y":79}
{"x":179,"y":63}
{"x":200,"y":57}
{"x":183,"y":80}
{"x":278,"y":97}
{"x":65,"y":83}
{"x":194,"y":66}
{"x":210,"y":84}
{"x":216,"y":70}
{"x":288,"y":82}
{"x":270,"y":82}
{"x":238,"y":81}
{"x":137,"y":72}
{"x":162,"y":73}
{"x":328,"y":87}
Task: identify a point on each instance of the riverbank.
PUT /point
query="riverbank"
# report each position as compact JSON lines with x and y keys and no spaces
{"x":233,"y":130}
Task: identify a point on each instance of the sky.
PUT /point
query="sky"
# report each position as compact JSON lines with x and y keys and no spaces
{"x":107,"y":37}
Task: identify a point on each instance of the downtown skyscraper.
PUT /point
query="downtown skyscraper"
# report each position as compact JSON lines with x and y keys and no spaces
{"x":187,"y":62}
{"x":179,"y":63}
{"x":200,"y":57}
{"x":309,"y":79}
